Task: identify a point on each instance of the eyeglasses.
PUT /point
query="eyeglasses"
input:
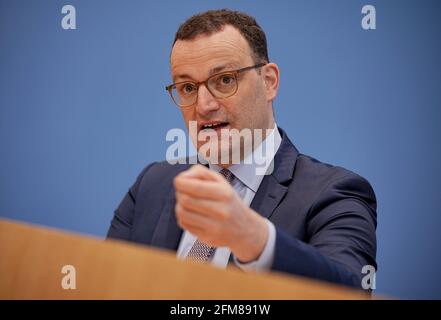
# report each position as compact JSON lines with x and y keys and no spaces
{"x":220,"y":85}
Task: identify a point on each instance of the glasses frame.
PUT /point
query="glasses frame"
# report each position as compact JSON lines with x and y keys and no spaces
{"x":235,"y":73}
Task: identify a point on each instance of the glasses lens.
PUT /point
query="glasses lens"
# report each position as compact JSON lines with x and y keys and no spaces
{"x":184,"y":94}
{"x":223,"y":85}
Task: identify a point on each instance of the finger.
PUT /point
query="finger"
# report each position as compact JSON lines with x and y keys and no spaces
{"x":188,"y":219}
{"x":202,"y":172}
{"x":209,"y":208}
{"x":203,"y":188}
{"x":194,"y":230}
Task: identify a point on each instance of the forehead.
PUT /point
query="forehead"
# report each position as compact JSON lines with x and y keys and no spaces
{"x":200,"y":56}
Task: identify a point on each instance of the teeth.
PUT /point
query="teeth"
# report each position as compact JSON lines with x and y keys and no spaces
{"x":210,"y":125}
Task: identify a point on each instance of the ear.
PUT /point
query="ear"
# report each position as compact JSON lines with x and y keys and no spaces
{"x":271,"y":77}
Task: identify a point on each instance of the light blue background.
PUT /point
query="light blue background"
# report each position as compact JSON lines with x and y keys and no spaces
{"x":83,"y":111}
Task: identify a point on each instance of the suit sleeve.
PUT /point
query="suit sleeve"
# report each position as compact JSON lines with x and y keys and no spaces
{"x":121,"y":225}
{"x":340,"y":235}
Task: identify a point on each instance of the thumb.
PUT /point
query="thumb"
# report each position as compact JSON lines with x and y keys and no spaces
{"x":198,"y":171}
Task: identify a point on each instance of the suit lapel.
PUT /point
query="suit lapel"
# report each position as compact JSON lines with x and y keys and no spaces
{"x":268,"y":196}
{"x":167,"y":233}
{"x":274,"y":186}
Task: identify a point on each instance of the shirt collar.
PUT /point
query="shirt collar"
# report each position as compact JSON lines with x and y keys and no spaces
{"x":257,"y":161}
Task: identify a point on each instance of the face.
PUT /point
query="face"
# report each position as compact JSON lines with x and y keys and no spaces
{"x":250,"y":107}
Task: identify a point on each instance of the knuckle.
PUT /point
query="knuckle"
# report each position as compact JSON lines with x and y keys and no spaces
{"x":178,"y":210}
{"x":223,"y":214}
{"x":176,"y":182}
{"x":184,"y":200}
{"x":228,"y":194}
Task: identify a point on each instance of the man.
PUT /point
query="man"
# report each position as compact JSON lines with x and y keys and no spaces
{"x":302,"y":217}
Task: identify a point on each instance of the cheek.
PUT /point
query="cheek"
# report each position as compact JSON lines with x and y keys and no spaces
{"x":243,"y":107}
{"x":188,"y":115}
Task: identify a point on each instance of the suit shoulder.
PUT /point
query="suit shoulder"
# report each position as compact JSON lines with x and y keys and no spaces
{"x":162,"y":172}
{"x":313,"y":168}
{"x":325,"y":178}
{"x":324,"y":175}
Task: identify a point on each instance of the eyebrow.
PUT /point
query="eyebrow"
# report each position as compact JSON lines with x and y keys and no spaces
{"x":212,"y":71}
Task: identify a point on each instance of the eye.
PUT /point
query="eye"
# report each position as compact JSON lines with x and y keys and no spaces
{"x":226,"y":79}
{"x":187,"y":88}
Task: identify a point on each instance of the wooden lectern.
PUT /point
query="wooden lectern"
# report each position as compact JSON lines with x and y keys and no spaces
{"x":33,"y":260}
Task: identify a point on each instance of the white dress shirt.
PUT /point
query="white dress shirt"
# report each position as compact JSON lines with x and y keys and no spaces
{"x":246,"y":184}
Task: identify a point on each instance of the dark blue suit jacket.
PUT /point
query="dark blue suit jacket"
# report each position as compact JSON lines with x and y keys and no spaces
{"x":325,"y":216}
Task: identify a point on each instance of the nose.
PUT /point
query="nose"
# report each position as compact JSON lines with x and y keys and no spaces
{"x":206,"y":102}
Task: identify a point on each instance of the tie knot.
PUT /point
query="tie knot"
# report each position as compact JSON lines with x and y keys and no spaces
{"x":227,"y":175}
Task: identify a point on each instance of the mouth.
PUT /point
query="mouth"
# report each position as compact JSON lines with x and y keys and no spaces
{"x":214,"y":125}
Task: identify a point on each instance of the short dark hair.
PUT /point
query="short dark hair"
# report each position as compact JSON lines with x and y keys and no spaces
{"x":213,"y":21}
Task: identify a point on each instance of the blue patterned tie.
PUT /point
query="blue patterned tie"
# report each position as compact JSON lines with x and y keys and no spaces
{"x":200,"y":251}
